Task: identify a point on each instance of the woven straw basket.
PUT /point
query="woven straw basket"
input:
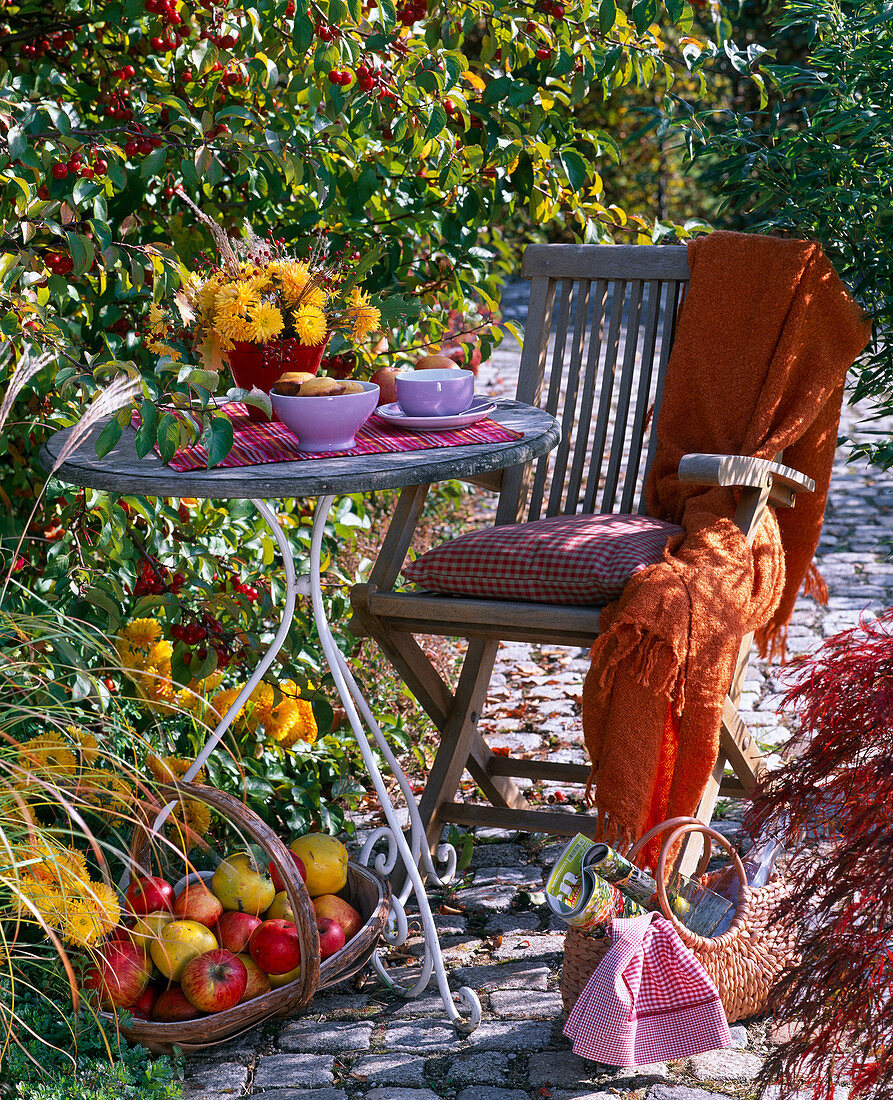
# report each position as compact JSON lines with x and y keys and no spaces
{"x":365,"y":891}
{"x":743,"y":962}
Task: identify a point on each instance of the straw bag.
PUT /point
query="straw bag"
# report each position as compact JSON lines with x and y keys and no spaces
{"x":743,"y":962}
{"x":365,"y":891}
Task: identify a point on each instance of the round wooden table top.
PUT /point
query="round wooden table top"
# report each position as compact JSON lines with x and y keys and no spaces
{"x":122,"y":471}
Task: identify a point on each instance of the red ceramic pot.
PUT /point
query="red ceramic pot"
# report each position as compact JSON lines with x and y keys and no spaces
{"x":262,"y":365}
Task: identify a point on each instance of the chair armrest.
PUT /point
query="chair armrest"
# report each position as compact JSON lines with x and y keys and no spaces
{"x":741,"y":472}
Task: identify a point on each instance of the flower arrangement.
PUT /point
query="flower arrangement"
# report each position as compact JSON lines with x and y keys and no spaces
{"x":255,"y":293}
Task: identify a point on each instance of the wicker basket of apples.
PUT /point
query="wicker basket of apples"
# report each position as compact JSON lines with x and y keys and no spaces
{"x":203,"y":956}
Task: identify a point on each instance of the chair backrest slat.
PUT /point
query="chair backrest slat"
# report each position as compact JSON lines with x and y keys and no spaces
{"x":601,"y":378}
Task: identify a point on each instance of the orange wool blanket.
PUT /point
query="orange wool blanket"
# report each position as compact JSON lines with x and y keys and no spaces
{"x":764,"y":341}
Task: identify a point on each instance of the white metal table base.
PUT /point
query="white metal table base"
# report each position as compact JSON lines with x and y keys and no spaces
{"x":358,"y":712}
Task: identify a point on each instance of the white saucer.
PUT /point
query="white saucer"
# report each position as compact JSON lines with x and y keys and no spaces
{"x":392,"y":414}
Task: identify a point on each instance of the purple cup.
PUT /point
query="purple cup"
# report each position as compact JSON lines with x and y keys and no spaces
{"x":326,"y":423}
{"x":434,"y":392}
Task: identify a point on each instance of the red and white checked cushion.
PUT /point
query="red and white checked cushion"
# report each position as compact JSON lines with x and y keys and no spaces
{"x":564,"y":559}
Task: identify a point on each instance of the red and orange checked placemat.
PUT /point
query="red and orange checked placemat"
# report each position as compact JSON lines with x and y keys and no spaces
{"x":256,"y":444}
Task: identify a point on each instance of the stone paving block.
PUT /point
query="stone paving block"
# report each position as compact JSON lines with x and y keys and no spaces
{"x":523,"y":878}
{"x":773,"y":1093}
{"x":496,"y":855}
{"x":429,"y":1004}
{"x":502,"y":923}
{"x":490,"y":898}
{"x":313,"y":1037}
{"x":586,"y":1094}
{"x":429,"y":1036}
{"x":679,"y":1092}
{"x":224,"y":1078}
{"x":505,"y":975}
{"x":530,"y":946}
{"x":489,"y":1093}
{"x":557,"y":1068}
{"x":277,"y":1071}
{"x":518,"y":1004}
{"x":390,"y":1069}
{"x":740,"y":1038}
{"x":482,"y":1068}
{"x":302,"y":1094}
{"x":401,"y":1094}
{"x":725,"y":1065}
{"x":520,"y":1036}
{"x":325,"y":1003}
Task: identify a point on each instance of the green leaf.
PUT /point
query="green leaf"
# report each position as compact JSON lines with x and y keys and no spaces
{"x":168,"y":436}
{"x":675,"y":9}
{"x":218,"y":439}
{"x":18,"y":143}
{"x":607,"y":15}
{"x":496,"y":90}
{"x":575,"y":168}
{"x":644,"y":13}
{"x":146,"y":433}
{"x":451,"y":174}
{"x":95,"y":597}
{"x":437,"y":122}
{"x":82,"y":252}
{"x":108,"y":438}
{"x":302,"y":34}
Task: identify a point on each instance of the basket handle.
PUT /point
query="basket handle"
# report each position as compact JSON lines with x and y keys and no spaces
{"x":679,"y":827}
{"x":258,"y":831}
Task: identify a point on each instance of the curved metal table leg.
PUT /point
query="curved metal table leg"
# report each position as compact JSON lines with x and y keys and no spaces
{"x":288,"y":613}
{"x":409,"y":853}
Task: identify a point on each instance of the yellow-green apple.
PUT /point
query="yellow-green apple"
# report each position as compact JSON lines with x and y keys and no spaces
{"x":280,"y":909}
{"x":387,"y":387}
{"x":325,"y":861}
{"x":279,"y":980}
{"x":240,"y":885}
{"x":146,"y":894}
{"x":275,"y":946}
{"x":147,"y":927}
{"x":120,"y":974}
{"x":214,"y":981}
{"x":196,"y":902}
{"x":258,"y":982}
{"x":277,"y":878}
{"x":172,"y":1005}
{"x":328,"y":905}
{"x":331,"y":937}
{"x":235,"y":929}
{"x":178,"y":943}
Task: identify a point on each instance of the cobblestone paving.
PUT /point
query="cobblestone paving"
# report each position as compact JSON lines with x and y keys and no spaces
{"x":359,"y":1042}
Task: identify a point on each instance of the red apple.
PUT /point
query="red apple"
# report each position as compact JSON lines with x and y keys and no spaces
{"x":331,"y":937}
{"x":235,"y":929}
{"x":330,"y":905}
{"x":275,"y":946}
{"x":258,"y":982}
{"x":214,"y":981}
{"x":120,"y":975}
{"x":172,"y":1005}
{"x":142,"y":1007}
{"x":196,"y":902}
{"x":435,"y":362}
{"x":277,"y":878}
{"x":384,"y":379}
{"x":145,"y":895}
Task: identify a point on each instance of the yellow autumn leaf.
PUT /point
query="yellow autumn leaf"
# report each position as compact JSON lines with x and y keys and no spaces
{"x":474,"y":80}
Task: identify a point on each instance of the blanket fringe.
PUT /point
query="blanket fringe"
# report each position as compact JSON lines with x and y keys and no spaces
{"x":815,"y":584}
{"x":772,"y":641}
{"x":650,"y":660}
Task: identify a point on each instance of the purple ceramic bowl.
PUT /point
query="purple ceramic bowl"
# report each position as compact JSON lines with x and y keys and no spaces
{"x":326,"y":423}
{"x":434,"y":392}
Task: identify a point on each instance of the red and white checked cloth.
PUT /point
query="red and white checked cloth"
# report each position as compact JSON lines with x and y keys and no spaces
{"x":564,"y":559}
{"x":649,"y":1000}
{"x":255,"y":444}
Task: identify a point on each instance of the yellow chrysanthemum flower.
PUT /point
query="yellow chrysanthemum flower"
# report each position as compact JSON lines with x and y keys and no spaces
{"x":48,"y":900}
{"x":157,"y":321}
{"x":205,"y":296}
{"x":292,"y":721}
{"x":365,"y":318}
{"x":85,"y":925}
{"x":166,"y":768}
{"x":237,"y":297}
{"x":267,"y":322}
{"x":86,"y":743}
{"x":142,"y":633}
{"x":49,"y":755}
{"x":107,"y":792}
{"x":232,"y":327}
{"x":293,"y":278}
{"x":310,"y":325}
{"x":160,"y":654}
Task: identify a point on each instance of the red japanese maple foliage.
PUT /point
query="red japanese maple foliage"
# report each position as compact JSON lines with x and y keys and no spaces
{"x":836,"y":802}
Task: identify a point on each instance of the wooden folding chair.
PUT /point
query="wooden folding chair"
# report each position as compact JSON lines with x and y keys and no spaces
{"x":608,"y":314}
